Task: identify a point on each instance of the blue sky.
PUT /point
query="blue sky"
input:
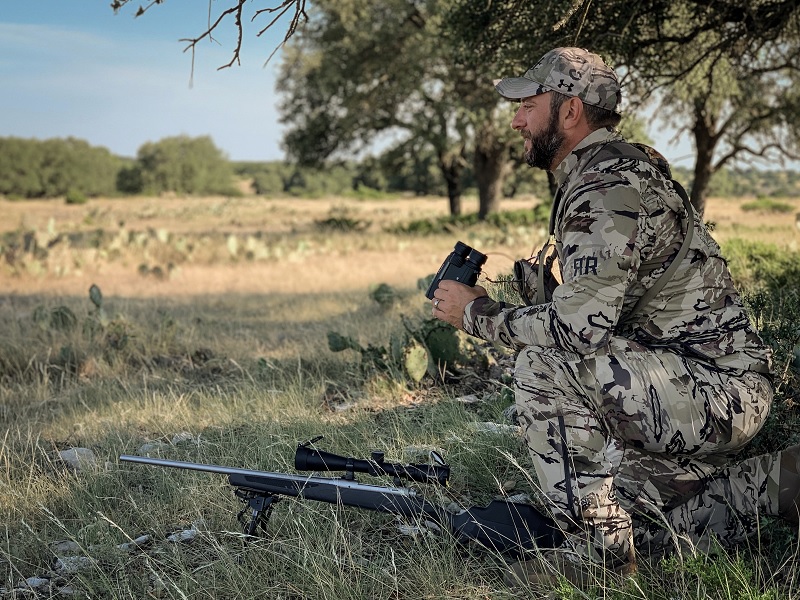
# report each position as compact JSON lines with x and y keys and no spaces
{"x":74,"y":68}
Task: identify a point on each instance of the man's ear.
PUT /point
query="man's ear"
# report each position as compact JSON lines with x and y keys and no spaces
{"x":571,"y":112}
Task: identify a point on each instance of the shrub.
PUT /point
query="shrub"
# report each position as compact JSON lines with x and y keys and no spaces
{"x":767,"y":205}
{"x":76,"y":197}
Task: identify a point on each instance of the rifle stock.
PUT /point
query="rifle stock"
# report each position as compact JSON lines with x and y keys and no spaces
{"x":505,"y":527}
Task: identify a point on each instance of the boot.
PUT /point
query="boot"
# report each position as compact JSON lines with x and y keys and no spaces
{"x":789,"y":485}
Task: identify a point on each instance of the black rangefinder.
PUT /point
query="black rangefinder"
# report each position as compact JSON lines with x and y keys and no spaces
{"x":462,"y":264}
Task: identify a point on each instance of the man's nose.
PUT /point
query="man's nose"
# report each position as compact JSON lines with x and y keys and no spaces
{"x":518,"y":122}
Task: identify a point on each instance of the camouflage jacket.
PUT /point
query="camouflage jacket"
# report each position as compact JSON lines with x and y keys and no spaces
{"x":617,"y":227}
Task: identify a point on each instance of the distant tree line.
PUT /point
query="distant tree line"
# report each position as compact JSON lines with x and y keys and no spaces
{"x":73,"y":169}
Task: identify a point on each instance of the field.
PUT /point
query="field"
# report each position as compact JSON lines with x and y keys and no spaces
{"x":211,"y":344}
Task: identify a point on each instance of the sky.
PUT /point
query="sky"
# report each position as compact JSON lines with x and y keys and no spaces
{"x":73,"y":68}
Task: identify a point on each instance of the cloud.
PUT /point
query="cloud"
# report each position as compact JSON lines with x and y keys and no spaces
{"x":122,"y":92}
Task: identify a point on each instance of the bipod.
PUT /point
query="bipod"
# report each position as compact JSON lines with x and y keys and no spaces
{"x":260,"y":506}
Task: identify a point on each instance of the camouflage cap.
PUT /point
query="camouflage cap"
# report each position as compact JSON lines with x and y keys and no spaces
{"x":571,"y":71}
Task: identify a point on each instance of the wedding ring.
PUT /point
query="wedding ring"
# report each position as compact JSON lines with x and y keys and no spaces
{"x":436,"y":302}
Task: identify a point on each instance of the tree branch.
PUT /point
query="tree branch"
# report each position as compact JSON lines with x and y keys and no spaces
{"x":236,"y":10}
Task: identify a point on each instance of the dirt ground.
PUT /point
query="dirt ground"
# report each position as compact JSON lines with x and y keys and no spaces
{"x":335,"y":262}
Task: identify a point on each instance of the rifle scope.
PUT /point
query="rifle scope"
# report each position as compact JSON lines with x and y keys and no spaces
{"x":311,"y":459}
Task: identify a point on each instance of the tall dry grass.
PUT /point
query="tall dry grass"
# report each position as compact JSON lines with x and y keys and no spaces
{"x":224,"y":359}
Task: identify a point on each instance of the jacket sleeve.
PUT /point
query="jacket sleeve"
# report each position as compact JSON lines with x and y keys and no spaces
{"x":599,"y":261}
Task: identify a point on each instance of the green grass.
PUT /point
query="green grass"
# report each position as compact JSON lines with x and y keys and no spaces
{"x":768,"y":205}
{"x":247,"y":378}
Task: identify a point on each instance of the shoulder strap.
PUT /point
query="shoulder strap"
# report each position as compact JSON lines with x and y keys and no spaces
{"x":613,"y":150}
{"x":659,"y":284}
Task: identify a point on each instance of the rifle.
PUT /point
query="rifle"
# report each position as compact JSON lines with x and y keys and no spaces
{"x":506,"y":527}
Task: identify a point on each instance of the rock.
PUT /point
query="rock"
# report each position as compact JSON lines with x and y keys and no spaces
{"x":36,"y":583}
{"x":508,"y":485}
{"x":187,"y":535}
{"x":153,"y":447}
{"x":468,"y":399}
{"x":511,"y":414}
{"x":519,"y":499}
{"x":180,"y":438}
{"x":79,"y":458}
{"x":139,"y":542}
{"x":67,"y":590}
{"x":68,"y":565}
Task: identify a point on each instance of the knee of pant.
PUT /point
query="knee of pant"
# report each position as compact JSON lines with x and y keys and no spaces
{"x":530,"y":359}
{"x":543,"y":362}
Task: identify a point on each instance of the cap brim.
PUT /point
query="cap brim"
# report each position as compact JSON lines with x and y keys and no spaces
{"x":515,"y":88}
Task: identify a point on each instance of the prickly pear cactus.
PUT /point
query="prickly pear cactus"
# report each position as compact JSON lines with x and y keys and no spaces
{"x":60,"y":318}
{"x":416,"y":361}
{"x":339,"y":343}
{"x":384,"y":295}
{"x":441,"y":340}
{"x":96,"y":297}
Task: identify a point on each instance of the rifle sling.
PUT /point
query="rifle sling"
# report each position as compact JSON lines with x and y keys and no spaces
{"x":624,"y":150}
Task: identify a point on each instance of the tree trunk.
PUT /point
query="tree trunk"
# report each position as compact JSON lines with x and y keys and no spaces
{"x":452,"y":165}
{"x":454,"y":195}
{"x":705,"y":140}
{"x":490,"y":165}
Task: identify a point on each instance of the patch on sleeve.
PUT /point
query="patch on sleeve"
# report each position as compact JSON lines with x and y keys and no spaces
{"x":584,"y":265}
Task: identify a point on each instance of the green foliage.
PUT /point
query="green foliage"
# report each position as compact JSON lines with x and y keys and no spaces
{"x":340,"y":219}
{"x":768,"y":205}
{"x":59,"y":318}
{"x":771,"y":280}
{"x":427,"y":347}
{"x":719,"y":575}
{"x":385,"y":295}
{"x":328,"y":180}
{"x":756,"y":264}
{"x":75,"y":197}
{"x":502,"y":220}
{"x":56,"y":167}
{"x":182,"y":165}
{"x":269,"y":179}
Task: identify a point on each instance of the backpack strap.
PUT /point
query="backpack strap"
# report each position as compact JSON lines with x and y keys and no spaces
{"x":659,"y":284}
{"x":612,"y":150}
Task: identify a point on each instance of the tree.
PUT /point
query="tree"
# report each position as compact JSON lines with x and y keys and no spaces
{"x":724,"y":70}
{"x":655,"y":45}
{"x":182,"y":165}
{"x":357,"y":70}
{"x":56,"y":167}
{"x":347,"y":83}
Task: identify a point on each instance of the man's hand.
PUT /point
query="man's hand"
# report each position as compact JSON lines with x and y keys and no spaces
{"x":450,"y":299}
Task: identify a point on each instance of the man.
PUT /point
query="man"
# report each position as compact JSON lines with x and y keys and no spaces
{"x":633,"y":402}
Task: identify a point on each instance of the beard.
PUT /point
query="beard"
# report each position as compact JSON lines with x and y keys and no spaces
{"x":544,"y":145}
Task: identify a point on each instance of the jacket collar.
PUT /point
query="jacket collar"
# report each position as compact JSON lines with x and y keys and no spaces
{"x":582,"y":150}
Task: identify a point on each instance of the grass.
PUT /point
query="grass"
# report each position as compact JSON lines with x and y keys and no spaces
{"x":226,"y":361}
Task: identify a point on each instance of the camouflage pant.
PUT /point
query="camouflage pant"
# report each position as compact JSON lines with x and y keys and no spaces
{"x":633,"y":441}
